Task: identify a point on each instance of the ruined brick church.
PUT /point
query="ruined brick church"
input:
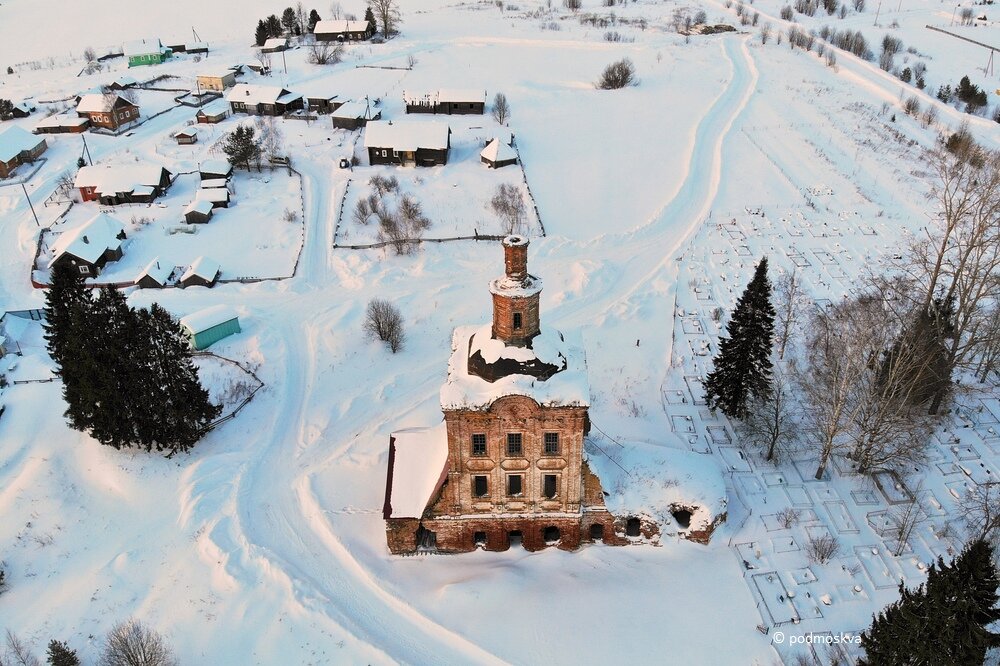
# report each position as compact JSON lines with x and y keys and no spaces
{"x":506,"y":466}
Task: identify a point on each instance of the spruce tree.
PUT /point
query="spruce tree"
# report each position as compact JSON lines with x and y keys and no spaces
{"x":260,"y":35}
{"x":370,"y":18}
{"x":289,"y":21}
{"x":273,"y":24}
{"x":313,"y":20}
{"x":67,"y":305}
{"x":60,"y":654}
{"x":742,"y":368}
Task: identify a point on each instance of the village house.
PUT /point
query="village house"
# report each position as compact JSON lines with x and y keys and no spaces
{"x":145,"y":52}
{"x":218,"y":197}
{"x":109,"y":111}
{"x":263,"y":100}
{"x":353,"y":115}
{"x":198,"y":211}
{"x":120,"y":184}
{"x":206,"y":327}
{"x":123,"y":82}
{"x":204,"y":272}
{"x":62,"y":124}
{"x":154,"y":276}
{"x":215,"y":169}
{"x":217,"y":81}
{"x":343,"y":31}
{"x":498,"y":154}
{"x":409,"y":143}
{"x":274,"y":45}
{"x":90,"y":246}
{"x":213,"y":112}
{"x":321,"y":101}
{"x":448,"y":101}
{"x":17,"y":147}
{"x":22,"y":109}
{"x":186,"y":136}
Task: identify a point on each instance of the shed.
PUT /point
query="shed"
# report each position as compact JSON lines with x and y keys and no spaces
{"x":208,"y":326}
{"x":217,"y":196}
{"x":274,"y":44}
{"x":154,"y":275}
{"x":208,"y":183}
{"x":203,"y":272}
{"x":198,"y":212}
{"x":213,"y":112}
{"x":186,"y":136}
{"x":215,"y":168}
{"x":497,"y":154}
{"x":352,"y":115}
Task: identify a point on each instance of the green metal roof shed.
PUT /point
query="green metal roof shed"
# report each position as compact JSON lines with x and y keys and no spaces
{"x":208,"y":326}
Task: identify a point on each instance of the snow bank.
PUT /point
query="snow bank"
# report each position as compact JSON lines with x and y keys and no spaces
{"x":660,"y":481}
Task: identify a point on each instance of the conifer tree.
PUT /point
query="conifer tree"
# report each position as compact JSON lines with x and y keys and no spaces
{"x":60,"y":654}
{"x":370,"y":18}
{"x":260,"y":35}
{"x":742,"y":368}
{"x":942,"y":621}
{"x":273,"y":24}
{"x":313,"y":20}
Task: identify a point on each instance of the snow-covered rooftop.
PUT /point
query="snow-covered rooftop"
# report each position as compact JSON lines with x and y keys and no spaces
{"x":461,"y":95}
{"x":187,"y":131}
{"x":249,"y":93}
{"x":213,"y":194}
{"x":125,"y":81}
{"x":215,"y":107}
{"x":142,"y":46}
{"x":567,"y":388}
{"x":497,"y":151}
{"x":98,"y":102}
{"x":419,"y":467}
{"x":209,"y":183}
{"x":203,"y":206}
{"x":275,"y":42}
{"x":13,"y":140}
{"x":202,"y":267}
{"x":90,"y":240}
{"x":216,"y":167}
{"x":355,"y":110}
{"x":660,"y":479}
{"x":333,"y":26}
{"x":119,"y":178}
{"x":216,"y":74}
{"x":202,"y":320}
{"x":62,"y":120}
{"x":407,"y":134}
{"x":156,"y":269}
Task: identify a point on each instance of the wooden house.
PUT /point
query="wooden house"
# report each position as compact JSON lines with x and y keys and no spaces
{"x":215,"y":169}
{"x":109,"y":111}
{"x":22,"y":109}
{"x":204,"y":272}
{"x":17,"y":147}
{"x":62,"y":124}
{"x":213,"y":112}
{"x":322,"y":102}
{"x":218,"y":197}
{"x":498,"y":154}
{"x":186,"y":136}
{"x":123,"y":82}
{"x":154,"y":276}
{"x":447,"y":101}
{"x":409,"y":143}
{"x":198,"y":211}
{"x":354,"y":115}
{"x":90,"y":246}
{"x":263,"y":100}
{"x":208,"y":326}
{"x":145,"y":52}
{"x":217,"y":81}
{"x":343,"y":31}
{"x":114,"y":185}
{"x":274,"y":45}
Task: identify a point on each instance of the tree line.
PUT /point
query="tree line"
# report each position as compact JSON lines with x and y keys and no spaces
{"x":127,"y":374}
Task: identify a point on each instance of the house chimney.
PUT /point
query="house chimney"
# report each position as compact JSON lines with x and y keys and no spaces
{"x":515,"y":257}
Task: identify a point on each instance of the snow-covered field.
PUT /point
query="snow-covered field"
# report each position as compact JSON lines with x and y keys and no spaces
{"x":266,"y":544}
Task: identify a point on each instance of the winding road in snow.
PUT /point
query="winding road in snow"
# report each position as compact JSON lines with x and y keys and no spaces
{"x":278,"y":520}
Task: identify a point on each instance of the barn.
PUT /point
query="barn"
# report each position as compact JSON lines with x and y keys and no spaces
{"x":208,"y":326}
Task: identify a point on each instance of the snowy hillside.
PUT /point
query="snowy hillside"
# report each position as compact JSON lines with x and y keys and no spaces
{"x":647,"y":209}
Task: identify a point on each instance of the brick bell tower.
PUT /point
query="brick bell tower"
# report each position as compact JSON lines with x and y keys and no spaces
{"x":515,"y":297}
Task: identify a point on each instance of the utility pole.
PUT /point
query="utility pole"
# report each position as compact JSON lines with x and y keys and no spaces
{"x":877,"y":12}
{"x":86,"y":149}
{"x":284,"y":64}
{"x":37,"y":224}
{"x":953,"y":15}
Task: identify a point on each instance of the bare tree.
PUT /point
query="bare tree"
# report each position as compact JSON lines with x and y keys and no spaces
{"x":387,"y":14}
{"x":336,"y":11}
{"x":501,"y":108}
{"x":765,"y":33}
{"x":904,"y":519}
{"x":131,"y":643}
{"x":265,"y":61}
{"x":18,"y":653}
{"x":822,"y":549}
{"x":271,"y":140}
{"x":787,"y":305}
{"x":979,"y":509}
{"x":383,"y":321}
{"x":89,"y":55}
{"x":508,"y":204}
{"x":769,"y":423}
{"x":302,"y":17}
{"x":618,"y":74}
{"x":325,"y":53}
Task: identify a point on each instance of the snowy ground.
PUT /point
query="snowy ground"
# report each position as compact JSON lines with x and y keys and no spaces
{"x":266,"y":545}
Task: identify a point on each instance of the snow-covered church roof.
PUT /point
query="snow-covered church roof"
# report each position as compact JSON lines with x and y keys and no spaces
{"x":566,"y":388}
{"x":418,"y":466}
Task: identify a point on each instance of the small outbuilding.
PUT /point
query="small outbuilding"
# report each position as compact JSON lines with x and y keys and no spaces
{"x":212,"y":169}
{"x":274,"y":45}
{"x":353,"y":115}
{"x":186,"y":136}
{"x":154,"y":275}
{"x":198,"y":212}
{"x":204,"y":272}
{"x":498,"y":154}
{"x":217,"y":196}
{"x":213,"y":112}
{"x":62,"y":124}
{"x":208,"y":326}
